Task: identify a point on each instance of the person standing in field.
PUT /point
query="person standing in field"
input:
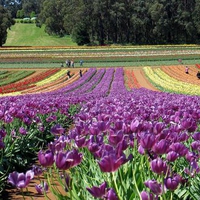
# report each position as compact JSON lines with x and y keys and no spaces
{"x":187,"y":70}
{"x":81,"y":63}
{"x":80,"y":73}
{"x":72,"y":63}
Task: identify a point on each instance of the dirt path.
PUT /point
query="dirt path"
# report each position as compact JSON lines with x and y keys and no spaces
{"x":142,"y":80}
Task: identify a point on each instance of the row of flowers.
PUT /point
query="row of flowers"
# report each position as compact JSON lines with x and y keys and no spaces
{"x":130,"y":79}
{"x":14,"y":77}
{"x":167,"y":83}
{"x":28,"y":82}
{"x":52,"y":78}
{"x":127,"y":145}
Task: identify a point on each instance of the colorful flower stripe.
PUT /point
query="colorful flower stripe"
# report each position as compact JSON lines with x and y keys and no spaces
{"x":131,"y":80}
{"x":167,"y":83}
{"x":52,"y":78}
{"x":61,"y":83}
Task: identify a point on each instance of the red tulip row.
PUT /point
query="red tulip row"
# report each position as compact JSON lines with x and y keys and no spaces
{"x":198,"y":66}
{"x":132,"y":82}
{"x":16,"y":89}
{"x":28,"y":83}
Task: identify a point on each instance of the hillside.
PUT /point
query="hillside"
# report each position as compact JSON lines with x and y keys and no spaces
{"x":30,"y":35}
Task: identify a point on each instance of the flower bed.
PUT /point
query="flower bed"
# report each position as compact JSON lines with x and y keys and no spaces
{"x":126,"y":145}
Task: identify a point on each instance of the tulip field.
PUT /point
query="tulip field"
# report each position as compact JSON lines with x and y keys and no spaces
{"x":100,"y":136}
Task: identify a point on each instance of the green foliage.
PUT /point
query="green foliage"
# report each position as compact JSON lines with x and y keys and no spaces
{"x":80,"y":35}
{"x":20,"y":151}
{"x":5,"y":22}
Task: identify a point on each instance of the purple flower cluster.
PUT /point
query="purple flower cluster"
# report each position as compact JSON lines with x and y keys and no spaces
{"x":161,"y":128}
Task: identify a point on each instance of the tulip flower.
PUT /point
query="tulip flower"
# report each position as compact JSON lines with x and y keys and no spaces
{"x":57,"y":129}
{"x":158,"y":166}
{"x":111,"y":195}
{"x":37,"y":170}
{"x":68,"y":159}
{"x":196,"y":136}
{"x":111,"y":163}
{"x":41,"y":188}
{"x":2,"y":133}
{"x":146,"y":196}
{"x":154,"y":186}
{"x":147,"y":140}
{"x":172,"y":156}
{"x":20,"y":180}
{"x":46,"y":159}
{"x":161,"y":147}
{"x":98,"y":192}
{"x":179,"y":148}
{"x":171,"y":183}
{"x":22,"y":131}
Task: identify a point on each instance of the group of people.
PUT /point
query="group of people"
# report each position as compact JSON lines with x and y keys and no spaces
{"x":187,"y":72}
{"x":70,"y":63}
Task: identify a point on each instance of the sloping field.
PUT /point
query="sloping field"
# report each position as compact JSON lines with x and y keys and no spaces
{"x":48,"y":80}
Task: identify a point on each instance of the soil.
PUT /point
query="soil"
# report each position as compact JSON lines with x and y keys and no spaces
{"x":142,"y":80}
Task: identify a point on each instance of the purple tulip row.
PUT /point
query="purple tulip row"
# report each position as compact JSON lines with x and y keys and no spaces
{"x":160,"y":131}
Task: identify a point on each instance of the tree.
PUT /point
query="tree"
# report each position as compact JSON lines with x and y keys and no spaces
{"x":6,"y":22}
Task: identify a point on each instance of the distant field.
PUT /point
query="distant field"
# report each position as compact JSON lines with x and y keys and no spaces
{"x":30,"y":35}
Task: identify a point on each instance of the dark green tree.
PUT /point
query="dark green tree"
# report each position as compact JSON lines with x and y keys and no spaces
{"x":6,"y":22}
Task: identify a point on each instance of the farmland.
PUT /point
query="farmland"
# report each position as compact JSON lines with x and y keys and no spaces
{"x":127,"y":131}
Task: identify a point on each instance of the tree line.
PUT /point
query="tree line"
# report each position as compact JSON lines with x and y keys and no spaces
{"x":101,"y":22}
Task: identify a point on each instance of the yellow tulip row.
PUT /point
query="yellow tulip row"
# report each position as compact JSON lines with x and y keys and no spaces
{"x":163,"y":81}
{"x":52,"y":78}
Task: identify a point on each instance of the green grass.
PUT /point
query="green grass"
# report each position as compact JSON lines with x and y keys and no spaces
{"x":30,"y":35}
{"x":96,"y":64}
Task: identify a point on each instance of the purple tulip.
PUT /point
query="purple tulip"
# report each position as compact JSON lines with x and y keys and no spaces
{"x":94,"y":130}
{"x":98,"y":192}
{"x":101,"y":126}
{"x":179,"y":148}
{"x":172,"y":156}
{"x":158,"y":166}
{"x":37,"y":170}
{"x":154,"y":186}
{"x":196,"y":136}
{"x":195,"y":145}
{"x":147,"y":140}
{"x":51,"y":118}
{"x":68,"y":159}
{"x":115,"y":137}
{"x":161,"y":147}
{"x":2,"y":133}
{"x":111,"y":163}
{"x":80,"y":141}
{"x":20,"y":180}
{"x":141,"y":150}
{"x":22,"y":131}
{"x":146,"y":196}
{"x":171,"y":183}
{"x":158,"y":127}
{"x":111,"y":195}
{"x":42,"y":188}
{"x":135,"y":125}
{"x":8,"y":118}
{"x":57,"y":129}
{"x":46,"y":159}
